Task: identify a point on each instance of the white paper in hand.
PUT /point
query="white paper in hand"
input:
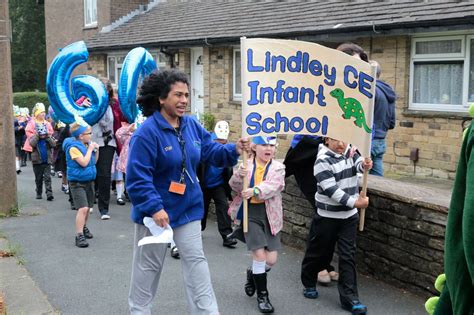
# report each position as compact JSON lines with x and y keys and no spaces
{"x":159,"y":234}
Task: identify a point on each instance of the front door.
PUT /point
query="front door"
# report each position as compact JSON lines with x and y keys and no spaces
{"x":197,"y":81}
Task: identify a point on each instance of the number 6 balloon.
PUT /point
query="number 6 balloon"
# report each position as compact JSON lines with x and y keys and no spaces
{"x":59,"y":93}
{"x":137,"y":62}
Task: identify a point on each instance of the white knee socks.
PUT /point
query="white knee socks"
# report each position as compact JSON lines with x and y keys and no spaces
{"x":119,"y":188}
{"x":17,"y":165}
{"x":258,"y":267}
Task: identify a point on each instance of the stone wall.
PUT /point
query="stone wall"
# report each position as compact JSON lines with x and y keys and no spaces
{"x":403,"y":239}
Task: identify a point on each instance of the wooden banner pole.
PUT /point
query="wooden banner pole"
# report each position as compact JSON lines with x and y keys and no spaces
{"x":245,"y":201}
{"x":363,"y":194}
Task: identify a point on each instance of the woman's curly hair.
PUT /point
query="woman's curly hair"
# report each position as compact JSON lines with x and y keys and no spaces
{"x":157,"y":85}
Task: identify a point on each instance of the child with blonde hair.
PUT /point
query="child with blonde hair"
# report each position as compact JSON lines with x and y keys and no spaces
{"x":265,"y":214}
{"x":40,"y":144}
{"x":81,"y":157}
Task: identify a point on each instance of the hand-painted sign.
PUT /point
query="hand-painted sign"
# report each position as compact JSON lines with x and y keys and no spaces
{"x":295,"y":87}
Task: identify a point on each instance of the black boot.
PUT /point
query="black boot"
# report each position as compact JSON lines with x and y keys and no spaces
{"x":250,"y":285}
{"x":264,"y":305}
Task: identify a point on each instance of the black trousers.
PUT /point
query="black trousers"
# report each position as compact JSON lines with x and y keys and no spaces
{"x":103,"y":179}
{"x":320,"y":249}
{"x":43,"y":173}
{"x":220,"y":200}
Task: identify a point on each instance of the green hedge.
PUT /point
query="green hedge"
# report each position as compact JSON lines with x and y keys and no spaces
{"x":29,"y":99}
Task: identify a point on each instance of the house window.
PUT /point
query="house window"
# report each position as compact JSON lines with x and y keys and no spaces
{"x":114,"y":68}
{"x":442,"y":73}
{"x":236,"y":78}
{"x":161,"y":60}
{"x":115,"y":65}
{"x":90,"y":13}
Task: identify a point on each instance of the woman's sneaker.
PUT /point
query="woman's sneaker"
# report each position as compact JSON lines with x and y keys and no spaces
{"x":355,"y":307}
{"x":81,"y":241}
{"x":175,"y":252}
{"x":334,"y":276}
{"x":120,"y":201}
{"x":324,"y":278}
{"x":65,"y":188}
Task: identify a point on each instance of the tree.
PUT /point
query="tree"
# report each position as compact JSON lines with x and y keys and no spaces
{"x":28,"y":50}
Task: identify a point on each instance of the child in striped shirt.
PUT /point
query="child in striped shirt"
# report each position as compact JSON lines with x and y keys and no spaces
{"x":337,"y":198}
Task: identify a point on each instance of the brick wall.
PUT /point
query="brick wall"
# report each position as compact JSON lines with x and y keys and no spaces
{"x":64,"y":21}
{"x":438,"y":139}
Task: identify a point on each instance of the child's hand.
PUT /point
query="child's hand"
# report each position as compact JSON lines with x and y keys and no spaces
{"x":362,"y":202}
{"x":86,"y":102}
{"x":93,"y":146}
{"x":247,"y":193}
{"x":242,"y":171}
{"x":368,"y":163}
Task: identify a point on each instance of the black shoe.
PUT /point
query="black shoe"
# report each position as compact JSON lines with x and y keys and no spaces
{"x":87,"y":233}
{"x":250,"y":285}
{"x":18,"y":172}
{"x":237,"y":233}
{"x":81,"y":241}
{"x":175,"y":252}
{"x":39,"y":197}
{"x":264,"y":305}
{"x":120,"y":201}
{"x":50,"y":198}
{"x":73,"y":208}
{"x":229,"y":242}
{"x":355,"y":307}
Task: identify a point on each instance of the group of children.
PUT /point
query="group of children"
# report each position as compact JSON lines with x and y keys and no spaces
{"x":335,"y":221}
{"x":337,"y":198}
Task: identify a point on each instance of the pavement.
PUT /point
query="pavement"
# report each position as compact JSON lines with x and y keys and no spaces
{"x":51,"y":275}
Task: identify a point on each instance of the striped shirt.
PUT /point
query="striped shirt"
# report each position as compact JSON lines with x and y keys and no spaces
{"x":338,"y":187}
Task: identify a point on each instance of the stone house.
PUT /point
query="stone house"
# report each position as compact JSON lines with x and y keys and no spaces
{"x":426,"y":50}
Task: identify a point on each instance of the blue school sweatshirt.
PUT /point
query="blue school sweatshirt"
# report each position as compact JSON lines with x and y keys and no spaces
{"x":155,"y":160}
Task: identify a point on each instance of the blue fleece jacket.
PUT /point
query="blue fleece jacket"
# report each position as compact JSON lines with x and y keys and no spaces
{"x":384,"y":110}
{"x":154,"y":161}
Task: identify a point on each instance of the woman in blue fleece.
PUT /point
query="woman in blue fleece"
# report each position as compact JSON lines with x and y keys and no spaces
{"x":161,"y":182}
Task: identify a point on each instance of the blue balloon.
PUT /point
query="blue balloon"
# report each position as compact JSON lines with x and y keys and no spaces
{"x":59,"y":93}
{"x":138,"y":63}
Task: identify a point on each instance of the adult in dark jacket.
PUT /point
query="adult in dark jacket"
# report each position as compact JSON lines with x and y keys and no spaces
{"x":384,"y":119}
{"x":164,"y":153}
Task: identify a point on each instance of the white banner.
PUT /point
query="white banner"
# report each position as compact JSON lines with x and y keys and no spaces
{"x":295,"y":87}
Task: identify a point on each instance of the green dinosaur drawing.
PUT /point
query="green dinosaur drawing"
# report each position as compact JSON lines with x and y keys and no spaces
{"x":351,"y":108}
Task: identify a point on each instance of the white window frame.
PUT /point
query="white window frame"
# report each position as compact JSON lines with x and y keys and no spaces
{"x":235,"y":96}
{"x":90,"y":5}
{"x":461,"y":56}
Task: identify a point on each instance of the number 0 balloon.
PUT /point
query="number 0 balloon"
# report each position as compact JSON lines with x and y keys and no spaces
{"x":59,"y":93}
{"x":137,"y":62}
